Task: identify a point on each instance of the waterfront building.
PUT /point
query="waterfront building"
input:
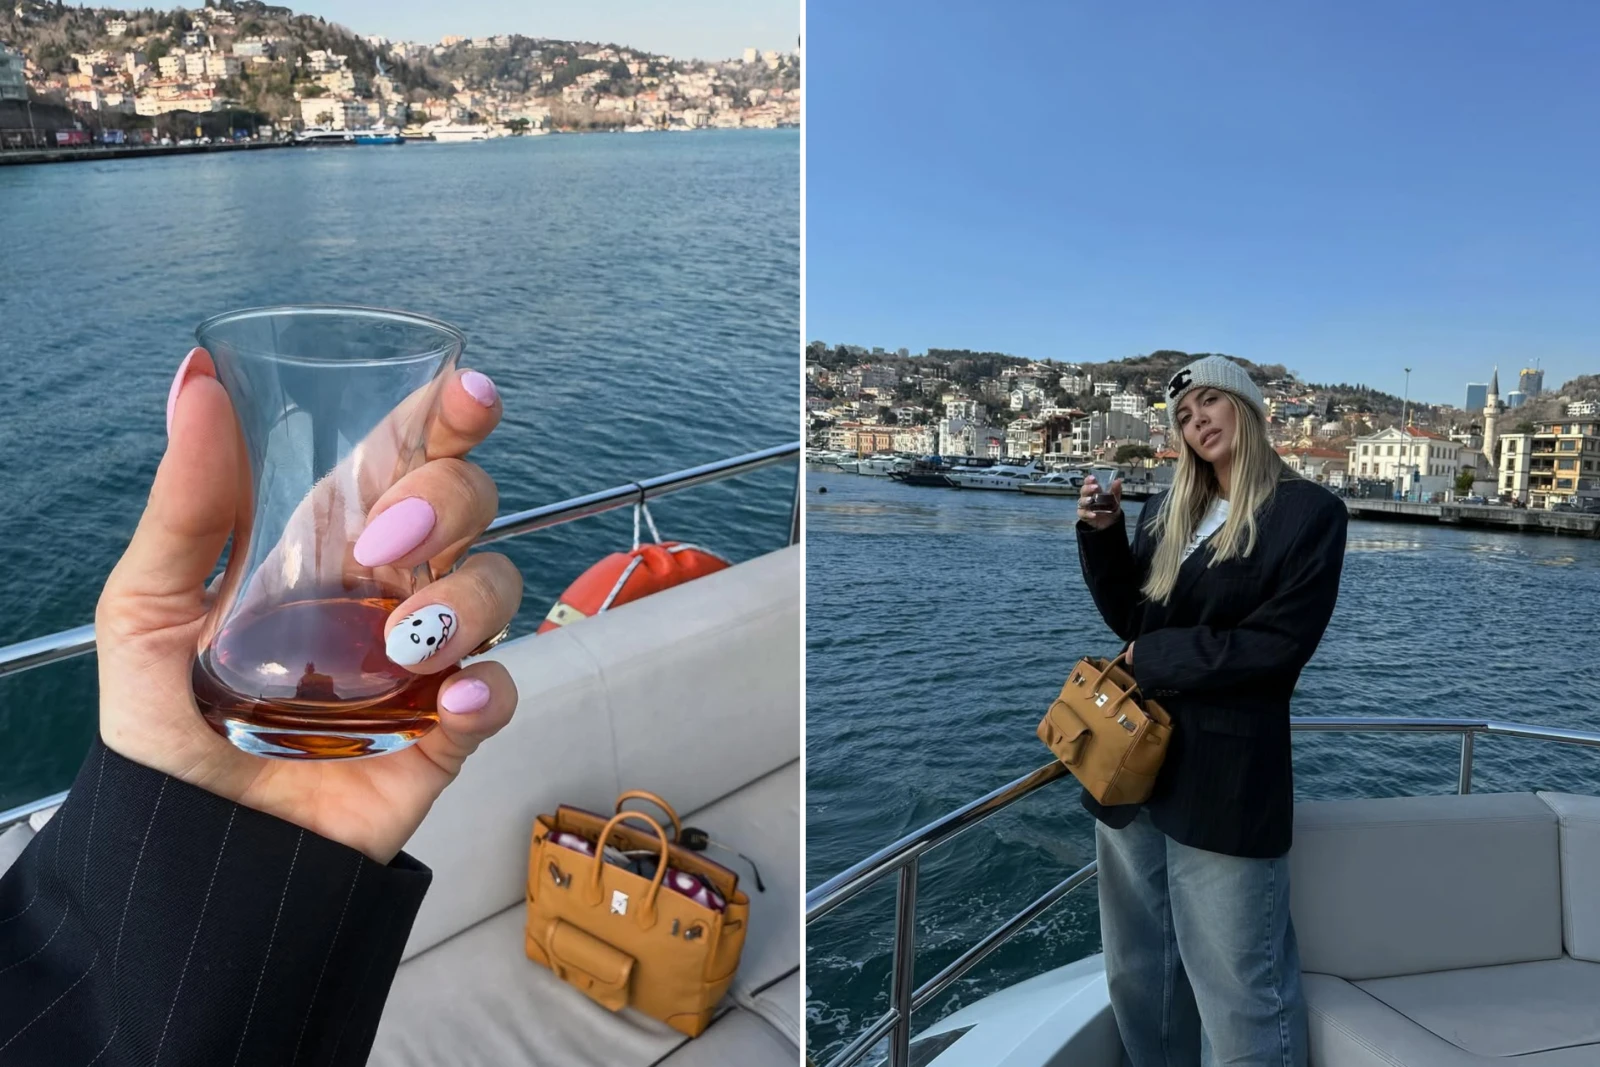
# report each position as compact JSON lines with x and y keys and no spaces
{"x":13,"y":76}
{"x":1107,"y":388}
{"x":171,"y":65}
{"x":917,"y":440}
{"x":1404,"y":455}
{"x":1095,"y":429}
{"x":1564,"y":462}
{"x":1477,"y":396}
{"x":1579,"y":409}
{"x":194,"y":64}
{"x":1514,"y":466}
{"x":116,"y":27}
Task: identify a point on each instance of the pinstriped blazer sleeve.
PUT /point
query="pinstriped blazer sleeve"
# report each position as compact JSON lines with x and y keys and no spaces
{"x":1113,"y":570}
{"x":151,"y":922}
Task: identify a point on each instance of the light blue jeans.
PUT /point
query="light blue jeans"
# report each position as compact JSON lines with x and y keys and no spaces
{"x":1200,"y":953}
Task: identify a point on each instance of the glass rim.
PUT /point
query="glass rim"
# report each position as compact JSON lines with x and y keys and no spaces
{"x":453,"y":338}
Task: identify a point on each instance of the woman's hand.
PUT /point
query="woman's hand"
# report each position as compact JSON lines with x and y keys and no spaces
{"x":154,"y":604}
{"x":1100,"y":520}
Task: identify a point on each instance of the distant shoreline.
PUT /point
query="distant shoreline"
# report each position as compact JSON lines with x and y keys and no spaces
{"x":12,"y":157}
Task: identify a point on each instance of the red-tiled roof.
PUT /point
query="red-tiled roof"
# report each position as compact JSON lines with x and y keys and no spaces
{"x":1416,"y":432}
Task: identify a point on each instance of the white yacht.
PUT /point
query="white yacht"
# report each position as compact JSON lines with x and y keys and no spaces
{"x":449,"y":132}
{"x":1008,"y":477}
{"x":882,"y":466}
{"x":1056,"y":483}
{"x":324,"y":135}
{"x":1434,"y":931}
{"x":692,"y":693}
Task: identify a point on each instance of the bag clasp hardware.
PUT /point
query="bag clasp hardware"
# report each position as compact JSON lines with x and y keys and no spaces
{"x":1126,"y":723}
{"x":1100,"y":700}
{"x":562,"y":881}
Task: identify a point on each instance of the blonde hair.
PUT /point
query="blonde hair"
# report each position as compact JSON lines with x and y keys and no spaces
{"x":1256,"y":470}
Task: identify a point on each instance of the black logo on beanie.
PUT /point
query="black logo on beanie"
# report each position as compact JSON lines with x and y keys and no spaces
{"x":1179,"y":383}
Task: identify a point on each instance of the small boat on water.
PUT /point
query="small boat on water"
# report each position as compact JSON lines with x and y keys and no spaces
{"x":449,"y":132}
{"x":881,"y":466}
{"x":1006,"y":477}
{"x":1056,"y":483}
{"x":380,"y":135}
{"x":324,"y":135}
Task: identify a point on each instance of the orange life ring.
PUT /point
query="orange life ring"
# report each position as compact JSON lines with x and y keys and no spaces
{"x":623,"y":577}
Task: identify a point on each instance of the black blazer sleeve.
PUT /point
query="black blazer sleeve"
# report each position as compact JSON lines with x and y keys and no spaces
{"x":1113,"y":571}
{"x":151,"y":922}
{"x":1273,"y":641}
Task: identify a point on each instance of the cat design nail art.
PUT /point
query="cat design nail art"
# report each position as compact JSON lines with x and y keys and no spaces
{"x":420,"y":634}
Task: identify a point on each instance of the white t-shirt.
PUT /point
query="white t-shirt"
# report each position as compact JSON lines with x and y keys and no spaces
{"x":1209,"y":525}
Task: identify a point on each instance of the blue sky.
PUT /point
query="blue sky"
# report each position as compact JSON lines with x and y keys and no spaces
{"x":702,"y":29}
{"x":1347,"y":188}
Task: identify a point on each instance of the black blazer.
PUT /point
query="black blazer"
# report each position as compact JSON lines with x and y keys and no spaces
{"x":1222,"y":656}
{"x":153,"y":923}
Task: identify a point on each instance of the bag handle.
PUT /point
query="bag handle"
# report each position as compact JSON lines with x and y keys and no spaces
{"x":647,"y":911}
{"x":1105,"y":672}
{"x":646,"y":795}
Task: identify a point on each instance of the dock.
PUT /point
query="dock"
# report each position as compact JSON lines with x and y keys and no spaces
{"x":1491,"y":517}
{"x":93,"y":153}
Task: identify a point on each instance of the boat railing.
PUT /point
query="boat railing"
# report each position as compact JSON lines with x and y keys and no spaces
{"x":902,"y":859}
{"x":78,"y":641}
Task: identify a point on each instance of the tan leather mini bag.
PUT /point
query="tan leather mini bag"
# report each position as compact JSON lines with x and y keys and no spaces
{"x":624,"y":939}
{"x":1111,"y":737}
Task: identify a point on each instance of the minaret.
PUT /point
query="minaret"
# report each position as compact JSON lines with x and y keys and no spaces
{"x":1491,"y":411}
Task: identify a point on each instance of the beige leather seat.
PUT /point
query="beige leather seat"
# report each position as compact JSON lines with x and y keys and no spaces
{"x":1450,"y":931}
{"x":693,"y":693}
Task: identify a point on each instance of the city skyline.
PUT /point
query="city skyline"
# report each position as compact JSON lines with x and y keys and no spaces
{"x":1347,"y":191}
{"x":693,"y":29}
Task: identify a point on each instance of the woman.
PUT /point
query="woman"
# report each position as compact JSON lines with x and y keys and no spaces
{"x":190,"y":903}
{"x":1222,"y":598}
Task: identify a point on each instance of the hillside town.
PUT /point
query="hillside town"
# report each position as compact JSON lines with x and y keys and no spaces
{"x":1052,"y":415}
{"x":118,"y":70}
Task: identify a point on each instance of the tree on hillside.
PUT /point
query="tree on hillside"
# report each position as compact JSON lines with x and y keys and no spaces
{"x":1464,"y":480}
{"x":1129,"y":453}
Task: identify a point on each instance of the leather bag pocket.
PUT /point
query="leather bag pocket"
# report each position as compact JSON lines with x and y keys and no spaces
{"x":585,"y":961}
{"x":1063,"y":732}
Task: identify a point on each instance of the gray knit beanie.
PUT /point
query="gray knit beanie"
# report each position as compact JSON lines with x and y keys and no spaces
{"x":1217,"y":372}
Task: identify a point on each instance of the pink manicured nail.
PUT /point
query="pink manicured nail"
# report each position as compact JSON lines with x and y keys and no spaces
{"x":467,"y":695}
{"x":480,"y":388}
{"x":399,"y":530}
{"x":177,"y":386}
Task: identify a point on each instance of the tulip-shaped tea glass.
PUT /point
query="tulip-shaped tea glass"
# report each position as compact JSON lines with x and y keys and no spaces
{"x":334,"y":405}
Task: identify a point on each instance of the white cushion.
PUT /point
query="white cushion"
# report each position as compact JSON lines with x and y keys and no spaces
{"x":1579,"y":818}
{"x":762,"y":821}
{"x":691,"y":693}
{"x":476,"y":1000}
{"x":737,"y":1039}
{"x":1402,"y":885}
{"x":1509,"y":1010}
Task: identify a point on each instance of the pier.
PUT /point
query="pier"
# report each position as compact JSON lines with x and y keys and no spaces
{"x":91,"y":153}
{"x":1486,"y":516}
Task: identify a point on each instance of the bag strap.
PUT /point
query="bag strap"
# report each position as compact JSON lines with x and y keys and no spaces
{"x":646,"y":795}
{"x":1105,"y":673}
{"x":647,"y":911}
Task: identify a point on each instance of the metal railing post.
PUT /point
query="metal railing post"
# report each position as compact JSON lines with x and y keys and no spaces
{"x":903,"y":985}
{"x":1464,"y":782}
{"x":799,"y":502}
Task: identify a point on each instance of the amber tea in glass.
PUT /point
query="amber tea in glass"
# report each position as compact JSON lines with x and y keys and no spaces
{"x":334,"y":405}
